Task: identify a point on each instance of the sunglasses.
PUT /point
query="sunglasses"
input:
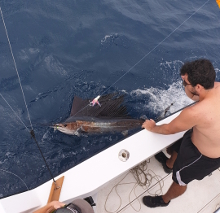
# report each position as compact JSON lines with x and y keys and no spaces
{"x":185,"y":83}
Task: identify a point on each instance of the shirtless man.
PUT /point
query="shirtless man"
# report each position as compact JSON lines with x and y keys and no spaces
{"x":199,"y":149}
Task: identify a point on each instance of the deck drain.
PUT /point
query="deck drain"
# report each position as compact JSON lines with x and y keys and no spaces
{"x":123,"y":155}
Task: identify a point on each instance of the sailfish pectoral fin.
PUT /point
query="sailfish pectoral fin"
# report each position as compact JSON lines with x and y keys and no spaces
{"x":79,"y":131}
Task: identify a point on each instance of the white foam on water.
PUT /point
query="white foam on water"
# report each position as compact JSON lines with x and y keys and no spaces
{"x":217,"y":70}
{"x":172,"y":64}
{"x":54,"y":66}
{"x":33,"y":50}
{"x":109,"y":38}
{"x":160,"y":99}
{"x":25,"y":54}
{"x":105,"y":38}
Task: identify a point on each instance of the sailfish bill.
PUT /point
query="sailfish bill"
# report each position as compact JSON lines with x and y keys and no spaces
{"x":111,"y":117}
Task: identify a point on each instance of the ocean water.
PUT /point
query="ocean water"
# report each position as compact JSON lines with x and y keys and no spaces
{"x":86,"y":48}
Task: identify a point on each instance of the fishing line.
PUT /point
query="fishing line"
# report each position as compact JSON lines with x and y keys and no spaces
{"x":15,"y":65}
{"x":16,"y":176}
{"x":163,"y":114}
{"x":155,"y":47}
{"x":89,"y":104}
{"x":148,"y":53}
{"x":32,"y":131}
{"x":14,"y":112}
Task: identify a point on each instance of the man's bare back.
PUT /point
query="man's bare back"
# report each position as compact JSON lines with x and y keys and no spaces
{"x":206,"y":134}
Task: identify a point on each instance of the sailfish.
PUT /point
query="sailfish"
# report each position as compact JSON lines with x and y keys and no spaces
{"x":109,"y":116}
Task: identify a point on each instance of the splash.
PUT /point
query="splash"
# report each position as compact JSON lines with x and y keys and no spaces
{"x":217,"y":70}
{"x":160,"y":99}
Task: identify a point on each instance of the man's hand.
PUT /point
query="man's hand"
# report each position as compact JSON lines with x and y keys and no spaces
{"x":50,"y":207}
{"x":57,"y":204}
{"x":149,"y":124}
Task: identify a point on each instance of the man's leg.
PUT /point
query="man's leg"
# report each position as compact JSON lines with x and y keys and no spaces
{"x":174,"y":191}
{"x":167,"y":163}
{"x":170,"y":161}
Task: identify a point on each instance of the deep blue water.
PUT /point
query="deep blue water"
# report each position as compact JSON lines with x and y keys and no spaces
{"x":67,"y":48}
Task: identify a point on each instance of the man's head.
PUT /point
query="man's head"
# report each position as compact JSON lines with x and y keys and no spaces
{"x":201,"y":72}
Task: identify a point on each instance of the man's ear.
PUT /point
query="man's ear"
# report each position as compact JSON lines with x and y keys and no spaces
{"x":199,"y":87}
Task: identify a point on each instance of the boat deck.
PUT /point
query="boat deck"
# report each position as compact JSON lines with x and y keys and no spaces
{"x":201,"y":196}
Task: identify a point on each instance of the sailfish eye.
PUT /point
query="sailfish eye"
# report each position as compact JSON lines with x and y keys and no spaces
{"x":65,"y":125}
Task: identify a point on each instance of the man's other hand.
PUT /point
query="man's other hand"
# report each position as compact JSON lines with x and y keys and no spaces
{"x":149,"y":124}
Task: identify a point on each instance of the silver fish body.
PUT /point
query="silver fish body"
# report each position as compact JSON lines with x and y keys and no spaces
{"x":109,"y":116}
{"x":98,"y":126}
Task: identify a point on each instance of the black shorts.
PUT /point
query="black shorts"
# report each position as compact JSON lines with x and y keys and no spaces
{"x":190,"y":163}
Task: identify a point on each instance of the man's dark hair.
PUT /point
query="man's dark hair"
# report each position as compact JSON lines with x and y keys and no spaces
{"x":201,"y":72}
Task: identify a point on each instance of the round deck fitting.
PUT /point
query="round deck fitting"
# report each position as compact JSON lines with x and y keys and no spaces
{"x":123,"y":155}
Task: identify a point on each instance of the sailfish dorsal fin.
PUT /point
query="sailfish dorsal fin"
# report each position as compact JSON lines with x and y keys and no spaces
{"x":111,"y":107}
{"x":78,"y":104}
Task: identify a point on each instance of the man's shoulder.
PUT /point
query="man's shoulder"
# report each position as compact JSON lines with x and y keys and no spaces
{"x":188,"y":118}
{"x":194,"y":109}
{"x":216,"y":84}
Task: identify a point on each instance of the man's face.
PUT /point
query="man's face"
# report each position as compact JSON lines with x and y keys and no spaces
{"x":189,"y":89}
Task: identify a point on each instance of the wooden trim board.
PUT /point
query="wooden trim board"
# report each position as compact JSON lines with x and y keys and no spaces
{"x":55,"y":190}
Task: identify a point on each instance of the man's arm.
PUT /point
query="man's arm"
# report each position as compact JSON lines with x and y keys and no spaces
{"x":186,"y":120}
{"x":50,"y":207}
